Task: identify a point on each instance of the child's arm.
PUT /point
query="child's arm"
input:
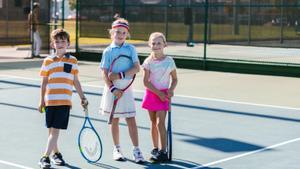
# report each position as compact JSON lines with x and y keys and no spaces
{"x":150,"y":86}
{"x":118,"y":93}
{"x":42,"y":94}
{"x":134,"y":70}
{"x":173,"y":84}
{"x":78,"y":88}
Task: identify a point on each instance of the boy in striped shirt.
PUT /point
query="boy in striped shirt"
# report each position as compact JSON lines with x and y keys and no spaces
{"x":60,"y":74}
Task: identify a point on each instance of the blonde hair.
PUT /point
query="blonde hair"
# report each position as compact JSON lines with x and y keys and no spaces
{"x":155,"y":35}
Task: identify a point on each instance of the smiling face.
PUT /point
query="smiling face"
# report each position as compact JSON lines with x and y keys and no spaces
{"x":157,"y":45}
{"x":60,"y":45}
{"x":119,"y":35}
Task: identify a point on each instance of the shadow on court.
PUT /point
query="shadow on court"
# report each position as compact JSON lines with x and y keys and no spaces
{"x":176,"y":164}
{"x":21,"y":64}
{"x":102,"y":165}
{"x":223,"y":144}
{"x":216,"y":110}
{"x":71,"y":166}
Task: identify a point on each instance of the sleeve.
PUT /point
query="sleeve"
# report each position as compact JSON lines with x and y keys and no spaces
{"x":134,"y":55}
{"x":172,"y":64}
{"x":105,"y":60}
{"x":76,"y":70}
{"x":44,"y":72}
{"x":146,"y":64}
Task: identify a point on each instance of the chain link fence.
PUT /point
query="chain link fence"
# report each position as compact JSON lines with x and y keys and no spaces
{"x":241,"y":22}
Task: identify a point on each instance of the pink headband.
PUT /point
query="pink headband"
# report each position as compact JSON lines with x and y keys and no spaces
{"x":120,"y":24}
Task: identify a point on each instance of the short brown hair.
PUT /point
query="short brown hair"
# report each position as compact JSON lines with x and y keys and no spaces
{"x":60,"y":34}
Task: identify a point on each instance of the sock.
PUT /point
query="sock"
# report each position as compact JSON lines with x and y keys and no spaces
{"x":135,"y":148}
{"x":45,"y":155}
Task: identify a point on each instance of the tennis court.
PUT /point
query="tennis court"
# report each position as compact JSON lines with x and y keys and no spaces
{"x":220,"y":121}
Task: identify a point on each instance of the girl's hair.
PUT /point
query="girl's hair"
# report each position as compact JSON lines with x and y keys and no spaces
{"x":60,"y":34}
{"x":119,"y":22}
{"x":155,"y":35}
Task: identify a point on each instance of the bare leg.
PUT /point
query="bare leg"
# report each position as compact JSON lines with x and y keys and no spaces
{"x":52,"y":141}
{"x":161,"y":116}
{"x":153,"y":129}
{"x":115,"y":131}
{"x":133,"y":131}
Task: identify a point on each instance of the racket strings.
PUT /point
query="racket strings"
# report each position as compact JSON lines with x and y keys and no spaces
{"x":90,"y":144}
{"x":122,"y":64}
{"x":92,"y":151}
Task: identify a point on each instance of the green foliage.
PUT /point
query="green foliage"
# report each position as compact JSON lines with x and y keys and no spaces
{"x":72,"y":4}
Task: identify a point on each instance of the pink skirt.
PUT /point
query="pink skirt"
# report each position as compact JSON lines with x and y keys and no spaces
{"x":152,"y":102}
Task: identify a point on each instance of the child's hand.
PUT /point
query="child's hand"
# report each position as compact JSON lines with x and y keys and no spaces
{"x":41,"y":107}
{"x":118,"y":93}
{"x":170,"y":93}
{"x":162,"y":96}
{"x":113,"y":76}
{"x":84,"y":102}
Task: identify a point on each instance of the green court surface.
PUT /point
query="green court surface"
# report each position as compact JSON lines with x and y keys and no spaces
{"x":220,"y":121}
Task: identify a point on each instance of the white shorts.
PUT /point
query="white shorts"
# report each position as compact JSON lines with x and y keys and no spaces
{"x":125,"y":106}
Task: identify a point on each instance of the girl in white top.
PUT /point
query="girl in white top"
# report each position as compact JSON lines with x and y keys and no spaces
{"x":159,"y":71}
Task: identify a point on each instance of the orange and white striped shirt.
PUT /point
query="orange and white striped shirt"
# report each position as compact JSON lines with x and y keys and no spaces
{"x":60,"y":73}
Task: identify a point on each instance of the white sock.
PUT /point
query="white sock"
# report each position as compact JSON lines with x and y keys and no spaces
{"x":135,"y":148}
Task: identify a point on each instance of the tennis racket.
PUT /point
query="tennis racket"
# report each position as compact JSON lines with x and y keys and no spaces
{"x":89,"y":142}
{"x":120,"y":64}
{"x":169,"y":133}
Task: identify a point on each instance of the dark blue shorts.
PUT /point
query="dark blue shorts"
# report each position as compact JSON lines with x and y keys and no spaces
{"x":57,"y":116}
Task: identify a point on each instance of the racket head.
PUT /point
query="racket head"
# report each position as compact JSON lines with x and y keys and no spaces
{"x":122,"y":63}
{"x":89,"y":143}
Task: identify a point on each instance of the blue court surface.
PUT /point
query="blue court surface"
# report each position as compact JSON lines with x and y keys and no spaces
{"x":207,"y":133}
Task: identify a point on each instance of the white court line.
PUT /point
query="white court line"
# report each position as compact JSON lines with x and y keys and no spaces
{"x":183,"y":96}
{"x":14,"y":164}
{"x":247,"y":154}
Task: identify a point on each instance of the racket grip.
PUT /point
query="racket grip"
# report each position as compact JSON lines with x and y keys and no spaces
{"x":110,"y":119}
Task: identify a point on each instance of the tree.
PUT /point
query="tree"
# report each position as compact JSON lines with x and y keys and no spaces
{"x":72,"y":4}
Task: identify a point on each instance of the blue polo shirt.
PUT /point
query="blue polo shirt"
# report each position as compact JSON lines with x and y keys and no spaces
{"x":113,"y":51}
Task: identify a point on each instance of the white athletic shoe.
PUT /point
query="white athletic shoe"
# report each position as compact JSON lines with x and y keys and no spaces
{"x":138,"y":156}
{"x":117,"y":154}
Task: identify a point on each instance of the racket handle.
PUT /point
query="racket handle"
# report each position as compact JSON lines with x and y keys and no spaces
{"x":111,"y":115}
{"x":86,"y":111}
{"x":110,"y":118}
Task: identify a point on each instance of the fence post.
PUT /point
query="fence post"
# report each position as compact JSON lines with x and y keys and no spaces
{"x":205,"y":33}
{"x":236,"y":28}
{"x":249,"y":22}
{"x":281,"y":21}
{"x":123,"y":8}
{"x":166,"y":20}
{"x":77,"y":20}
{"x":55,"y":14}
{"x":63,"y":14}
